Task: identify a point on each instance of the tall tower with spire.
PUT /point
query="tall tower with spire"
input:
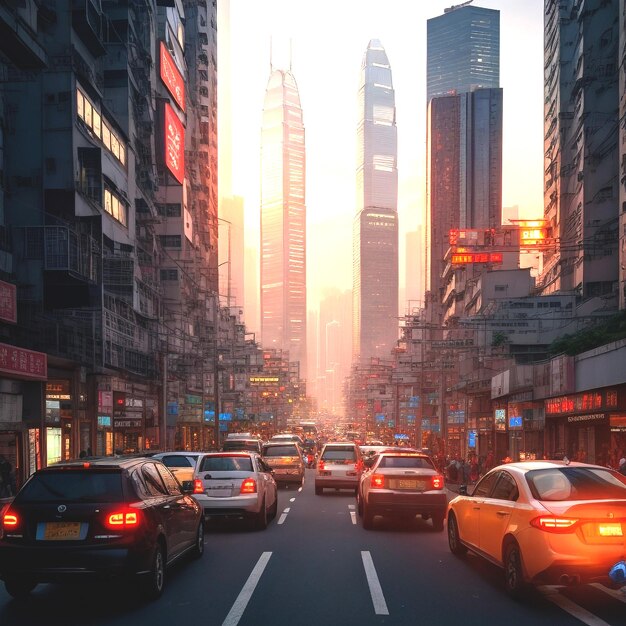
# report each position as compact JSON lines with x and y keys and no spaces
{"x":283,"y":219}
{"x":375,"y":241}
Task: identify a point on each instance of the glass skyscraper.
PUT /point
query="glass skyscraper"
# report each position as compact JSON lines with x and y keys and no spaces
{"x":463,"y":50}
{"x":375,"y":243}
{"x":283,"y":219}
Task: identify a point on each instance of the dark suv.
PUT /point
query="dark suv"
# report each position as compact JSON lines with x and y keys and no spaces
{"x":102,"y":518}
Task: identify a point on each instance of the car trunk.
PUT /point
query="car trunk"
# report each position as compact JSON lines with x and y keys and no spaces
{"x":223,"y":484}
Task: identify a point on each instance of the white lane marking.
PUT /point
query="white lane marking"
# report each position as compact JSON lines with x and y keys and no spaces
{"x":618,"y":594}
{"x":300,"y":489}
{"x":353,"y":517}
{"x":282,"y":518}
{"x":292,"y":499}
{"x":351,"y":506}
{"x":287,"y":509}
{"x":376,"y":591}
{"x":551,"y":593}
{"x":235,"y":613}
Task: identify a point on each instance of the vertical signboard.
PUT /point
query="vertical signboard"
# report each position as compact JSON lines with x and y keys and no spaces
{"x":174,"y":144}
{"x":8,"y":303}
{"x":171,"y":77}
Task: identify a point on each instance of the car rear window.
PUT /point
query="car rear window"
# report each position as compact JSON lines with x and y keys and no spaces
{"x":413,"y":462}
{"x":339,"y":453}
{"x":176,"y":460}
{"x":576,"y":483}
{"x":73,"y":486}
{"x":241,"y":445}
{"x":226,"y":464}
{"x":280,"y":451}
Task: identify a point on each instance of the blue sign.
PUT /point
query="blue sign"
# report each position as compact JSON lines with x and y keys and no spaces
{"x":471,"y":439}
{"x":209,"y":416}
{"x":414,"y":402}
{"x":400,"y":436}
{"x":172,"y":408}
{"x":104,"y":421}
{"x":515,"y":421}
{"x":226,"y":417}
{"x":380,"y":417}
{"x":410,"y":419}
{"x":239,"y":414}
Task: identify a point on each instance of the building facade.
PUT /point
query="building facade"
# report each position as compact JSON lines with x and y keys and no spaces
{"x":375,"y":240}
{"x":283,"y":219}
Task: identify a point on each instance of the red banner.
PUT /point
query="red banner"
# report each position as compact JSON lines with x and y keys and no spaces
{"x":172,"y":78}
{"x":476,"y":257}
{"x":23,"y":363}
{"x":174,"y":144}
{"x":8,"y":303}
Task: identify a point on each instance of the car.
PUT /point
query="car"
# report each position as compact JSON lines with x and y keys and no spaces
{"x":402,"y":484}
{"x":242,"y":443}
{"x":286,"y":437}
{"x":285,"y":459}
{"x":339,"y":467}
{"x":103,"y":519}
{"x":545,"y":522}
{"x":236,"y":485}
{"x":181,"y":464}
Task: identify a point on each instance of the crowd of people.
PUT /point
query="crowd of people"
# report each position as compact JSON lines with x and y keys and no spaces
{"x":466,"y":471}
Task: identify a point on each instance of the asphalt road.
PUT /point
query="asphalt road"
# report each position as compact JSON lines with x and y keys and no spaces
{"x":316,"y":565}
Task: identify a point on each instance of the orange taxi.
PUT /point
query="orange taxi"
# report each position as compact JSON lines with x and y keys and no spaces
{"x":551,"y":522}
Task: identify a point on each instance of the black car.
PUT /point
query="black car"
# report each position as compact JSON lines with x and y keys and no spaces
{"x":103,"y":518}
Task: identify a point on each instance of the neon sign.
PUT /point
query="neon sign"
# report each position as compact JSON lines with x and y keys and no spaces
{"x":466,"y":258}
{"x":174,"y":144}
{"x":172,"y":78}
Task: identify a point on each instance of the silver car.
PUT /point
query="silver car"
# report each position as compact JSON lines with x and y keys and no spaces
{"x":236,"y":485}
{"x":339,"y":467}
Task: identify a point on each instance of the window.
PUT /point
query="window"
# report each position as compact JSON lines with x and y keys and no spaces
{"x":483,"y":488}
{"x":170,"y":241}
{"x":269,"y":451}
{"x":339,"y":453}
{"x":169,"y":274}
{"x":501,"y":287}
{"x":506,"y":488}
{"x":153,"y":481}
{"x":115,"y":207}
{"x":576,"y":483}
{"x":170,"y":481}
{"x":226,"y":464}
{"x":74,"y":486}
{"x":406,"y":462}
{"x":176,"y":460}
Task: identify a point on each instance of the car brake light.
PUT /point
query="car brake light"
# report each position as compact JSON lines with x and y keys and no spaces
{"x":378,"y":481}
{"x":10,"y":520}
{"x":320,"y":465}
{"x":248,"y":486}
{"x":554,"y":524}
{"x":198,"y":487}
{"x":128,"y":518}
{"x":437,"y":482}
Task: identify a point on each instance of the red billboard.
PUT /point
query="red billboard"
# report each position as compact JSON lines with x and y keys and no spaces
{"x":23,"y":363}
{"x":174,"y":144}
{"x":172,"y":78}
{"x":466,"y":258}
{"x":8,"y":303}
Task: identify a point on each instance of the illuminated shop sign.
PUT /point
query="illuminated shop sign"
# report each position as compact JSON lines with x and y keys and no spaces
{"x":263,"y":380}
{"x":471,"y":236}
{"x":23,"y":363}
{"x":467,"y":258}
{"x":8,"y":303}
{"x":174,"y":144}
{"x":532,"y":232}
{"x":172,"y":78}
{"x":580,"y":402}
{"x":500,"y":419}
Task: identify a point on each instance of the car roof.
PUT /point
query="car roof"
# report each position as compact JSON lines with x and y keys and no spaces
{"x":241,"y":453}
{"x":177,"y":453}
{"x":105,"y":462}
{"x":286,"y":442}
{"x":342,"y":443}
{"x":527,"y":466}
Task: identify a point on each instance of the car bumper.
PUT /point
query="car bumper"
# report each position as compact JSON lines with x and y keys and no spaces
{"x":343,"y":482}
{"x":288,"y":475}
{"x":391,"y":502}
{"x":237,"y":506}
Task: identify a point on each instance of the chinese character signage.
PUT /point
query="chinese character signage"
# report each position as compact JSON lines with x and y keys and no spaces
{"x":582,"y":402}
{"x":174,"y":144}
{"x":23,"y":363}
{"x":466,"y":258}
{"x":172,"y":78}
{"x":8,"y":303}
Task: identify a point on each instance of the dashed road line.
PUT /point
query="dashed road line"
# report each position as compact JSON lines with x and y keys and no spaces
{"x":299,"y":489}
{"x":292,"y":499}
{"x":376,"y":591}
{"x":614,"y":593}
{"x":353,"y":517}
{"x":551,"y":593}
{"x":283,"y":517}
{"x":235,"y":613}
{"x":351,"y":506}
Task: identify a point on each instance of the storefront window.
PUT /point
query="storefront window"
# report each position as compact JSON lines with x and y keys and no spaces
{"x":53,"y":445}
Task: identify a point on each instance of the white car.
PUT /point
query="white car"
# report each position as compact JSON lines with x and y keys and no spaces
{"x":236,"y":485}
{"x":182,"y":464}
{"x":338,"y":467}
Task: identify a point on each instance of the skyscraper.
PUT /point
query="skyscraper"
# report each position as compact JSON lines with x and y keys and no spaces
{"x":375,"y":245}
{"x":283,"y":219}
{"x":463,"y":50}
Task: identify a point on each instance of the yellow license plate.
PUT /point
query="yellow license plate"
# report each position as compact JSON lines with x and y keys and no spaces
{"x":610,"y":530}
{"x":407,"y":484}
{"x":61,"y":531}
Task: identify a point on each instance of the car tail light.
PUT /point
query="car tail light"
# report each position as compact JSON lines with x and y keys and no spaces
{"x":437,"y":482}
{"x":126,"y":518}
{"x":248,"y":486}
{"x":555,"y":524}
{"x":320,"y":465}
{"x":378,"y":481}
{"x":10,"y":520}
{"x":198,"y":487}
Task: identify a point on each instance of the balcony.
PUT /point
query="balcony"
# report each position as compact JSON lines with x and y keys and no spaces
{"x":87,"y":21}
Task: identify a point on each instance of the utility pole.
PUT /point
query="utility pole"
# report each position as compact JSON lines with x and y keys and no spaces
{"x":216,"y":385}
{"x":163,"y":424}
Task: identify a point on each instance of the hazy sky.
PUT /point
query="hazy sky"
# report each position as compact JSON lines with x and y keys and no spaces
{"x":328,"y":39}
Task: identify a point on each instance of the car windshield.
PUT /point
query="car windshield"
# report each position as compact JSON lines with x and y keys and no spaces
{"x":176,"y":460}
{"x":73,"y":486}
{"x":226,"y":464}
{"x":280,"y":451}
{"x":576,"y":483}
{"x":339,"y":453}
{"x":418,"y":462}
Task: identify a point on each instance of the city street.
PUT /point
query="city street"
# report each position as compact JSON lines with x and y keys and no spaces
{"x":316,"y":565}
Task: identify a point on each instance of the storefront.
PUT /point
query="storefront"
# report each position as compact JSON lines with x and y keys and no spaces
{"x":526,"y":427}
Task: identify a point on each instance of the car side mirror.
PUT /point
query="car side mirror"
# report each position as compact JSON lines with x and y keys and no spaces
{"x":463,"y":490}
{"x":187,"y":486}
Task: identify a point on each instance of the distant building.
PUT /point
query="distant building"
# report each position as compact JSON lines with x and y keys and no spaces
{"x":622,"y":159}
{"x":415,"y":283}
{"x":375,"y":244}
{"x":231,"y":231}
{"x":283,"y":220}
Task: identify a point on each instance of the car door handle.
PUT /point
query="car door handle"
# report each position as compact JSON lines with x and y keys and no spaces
{"x":476,"y":508}
{"x":502,"y":513}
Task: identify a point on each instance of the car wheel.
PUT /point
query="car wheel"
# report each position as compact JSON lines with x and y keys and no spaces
{"x":261,"y":519}
{"x":19,"y":588}
{"x":438,"y":522}
{"x":513,"y":573}
{"x":368,"y":518}
{"x":359,"y":504}
{"x":454,"y":542}
{"x":198,"y":547}
{"x":319,"y":491}
{"x":154,"y":582}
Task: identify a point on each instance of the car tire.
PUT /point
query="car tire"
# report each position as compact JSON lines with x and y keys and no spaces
{"x":198,"y":547}
{"x":154,"y":581}
{"x":19,"y":588}
{"x":274,"y":507}
{"x":260,"y":521}
{"x":438,"y":519}
{"x":319,"y":491}
{"x":513,"y":573}
{"x":454,"y":541}
{"x":368,"y":518}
